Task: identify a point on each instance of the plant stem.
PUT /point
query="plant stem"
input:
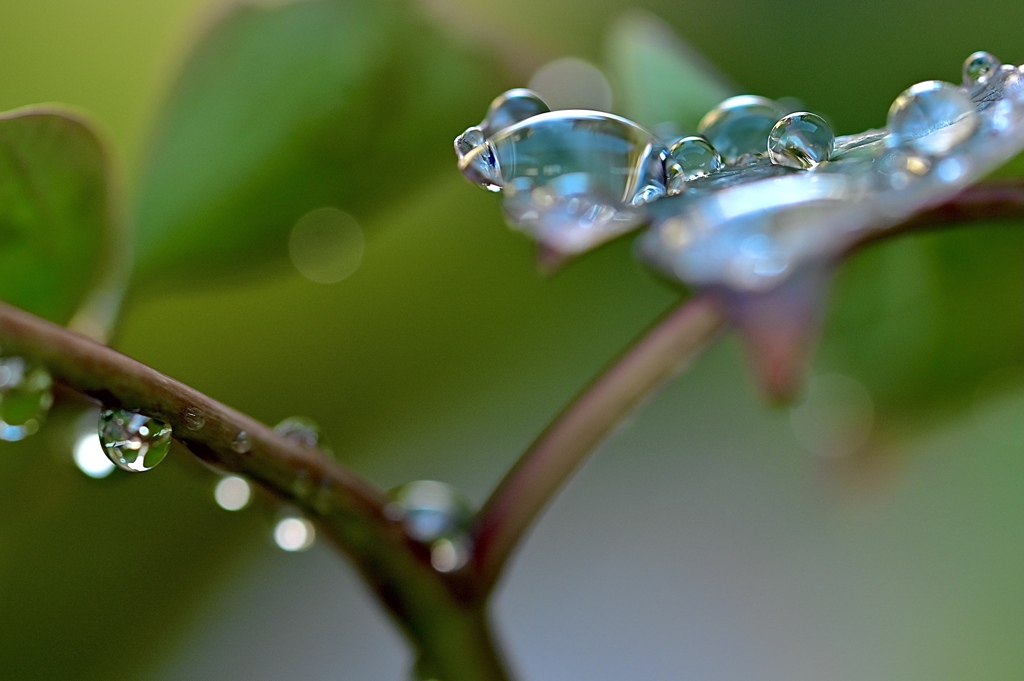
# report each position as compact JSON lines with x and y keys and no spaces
{"x":557,"y":453}
{"x":553,"y":457}
{"x":428,"y":606}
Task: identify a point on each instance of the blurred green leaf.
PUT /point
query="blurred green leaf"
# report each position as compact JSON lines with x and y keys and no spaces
{"x":282,"y":110}
{"x":925,"y":320}
{"x":662,"y":79}
{"x":56,"y":218}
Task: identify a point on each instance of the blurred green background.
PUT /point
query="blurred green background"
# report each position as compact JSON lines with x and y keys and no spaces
{"x":443,"y":352}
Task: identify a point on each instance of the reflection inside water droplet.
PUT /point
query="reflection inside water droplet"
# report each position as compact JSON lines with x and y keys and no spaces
{"x":932,"y":117}
{"x":133,"y":442}
{"x":26,"y":395}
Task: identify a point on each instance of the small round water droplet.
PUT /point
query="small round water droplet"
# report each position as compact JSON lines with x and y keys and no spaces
{"x":134,"y":442}
{"x":688,"y":159}
{"x":26,"y":395}
{"x":430,"y":510}
{"x":979,"y":67}
{"x":509,"y":108}
{"x":740,"y":125}
{"x":294,"y":533}
{"x":801,"y":140}
{"x":477,"y":159}
{"x":300,"y":430}
{"x":932,"y":117}
{"x":242,"y":443}
{"x":232,"y":493}
{"x":194,"y":418}
{"x":450,"y":554}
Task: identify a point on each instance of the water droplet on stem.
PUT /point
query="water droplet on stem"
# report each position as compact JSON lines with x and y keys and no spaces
{"x":26,"y":395}
{"x":132,"y":441}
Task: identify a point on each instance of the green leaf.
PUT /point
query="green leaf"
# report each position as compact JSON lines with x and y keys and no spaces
{"x":660,"y":78}
{"x":282,"y":110}
{"x":57,"y":224}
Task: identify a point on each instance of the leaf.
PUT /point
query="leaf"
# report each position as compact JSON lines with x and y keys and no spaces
{"x":282,"y":110}
{"x":57,"y":223}
{"x":661,"y":79}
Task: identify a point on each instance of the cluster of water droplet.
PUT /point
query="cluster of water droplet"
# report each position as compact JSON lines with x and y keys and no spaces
{"x":759,"y":189}
{"x":437,"y":515}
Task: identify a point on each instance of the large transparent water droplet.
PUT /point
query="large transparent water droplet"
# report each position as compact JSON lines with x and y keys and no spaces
{"x":740,"y":125}
{"x":801,"y":140}
{"x":26,"y":395}
{"x":573,"y":179}
{"x":132,"y":441}
{"x":688,"y":159}
{"x":510,"y":108}
{"x":477,"y":160}
{"x":932,"y":117}
{"x":300,"y":430}
{"x":979,"y":67}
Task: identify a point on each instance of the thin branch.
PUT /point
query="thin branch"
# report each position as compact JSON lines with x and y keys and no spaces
{"x":559,"y":451}
{"x":561,"y":448}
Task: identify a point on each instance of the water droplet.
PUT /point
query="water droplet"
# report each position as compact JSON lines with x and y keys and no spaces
{"x":932,"y":117}
{"x":430,"y":510}
{"x":801,"y":140}
{"x":1011,"y":80}
{"x":26,"y":395}
{"x":688,"y":159}
{"x":510,"y":108}
{"x":573,"y":178}
{"x":134,"y":442}
{"x":300,"y":430}
{"x":979,"y":67}
{"x":232,"y":493}
{"x":294,"y":533}
{"x":194,"y":418}
{"x":242,"y":443}
{"x":477,"y":159}
{"x":740,"y":125}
